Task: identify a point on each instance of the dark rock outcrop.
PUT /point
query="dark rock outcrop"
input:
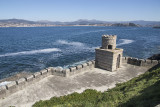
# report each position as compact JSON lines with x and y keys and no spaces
{"x":155,"y":57}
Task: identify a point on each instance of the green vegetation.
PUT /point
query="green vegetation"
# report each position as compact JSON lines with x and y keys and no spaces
{"x":142,"y":91}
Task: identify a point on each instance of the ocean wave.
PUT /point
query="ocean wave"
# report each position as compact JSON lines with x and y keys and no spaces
{"x":49,"y":50}
{"x":64,"y":42}
{"x":4,"y":83}
{"x":125,"y":41}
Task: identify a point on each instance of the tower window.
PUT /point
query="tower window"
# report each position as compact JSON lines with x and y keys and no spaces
{"x":109,"y":46}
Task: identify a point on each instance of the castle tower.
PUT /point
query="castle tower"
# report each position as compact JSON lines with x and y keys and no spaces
{"x":108,"y":56}
{"x":109,"y":42}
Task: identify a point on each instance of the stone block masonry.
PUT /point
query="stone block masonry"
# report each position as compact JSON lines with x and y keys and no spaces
{"x":21,"y":83}
{"x":140,"y":62}
{"x":108,"y":56}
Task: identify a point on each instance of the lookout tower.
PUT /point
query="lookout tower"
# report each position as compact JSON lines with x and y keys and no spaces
{"x":108,"y":56}
{"x":109,"y":42}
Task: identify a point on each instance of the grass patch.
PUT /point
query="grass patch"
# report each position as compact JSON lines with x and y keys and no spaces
{"x":142,"y":91}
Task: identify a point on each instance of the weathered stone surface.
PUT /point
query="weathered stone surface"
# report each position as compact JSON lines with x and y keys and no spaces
{"x":37,"y":75}
{"x":66,"y":72}
{"x":12,"y":87}
{"x":154,"y":62}
{"x":142,"y":62}
{"x":79,"y":68}
{"x":51,"y":70}
{"x":3,"y":91}
{"x":44,"y":72}
{"x":109,"y":40}
{"x":21,"y":83}
{"x":89,"y":64}
{"x":30,"y":78}
{"x":148,"y":61}
{"x":108,"y":60}
{"x":59,"y":72}
{"x":124,"y":60}
{"x":85,"y":67}
{"x":73,"y":70}
{"x":51,"y":86}
{"x":93,"y":62}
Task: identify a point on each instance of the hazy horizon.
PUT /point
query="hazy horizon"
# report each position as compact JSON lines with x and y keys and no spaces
{"x":72,"y":10}
{"x":81,"y":19}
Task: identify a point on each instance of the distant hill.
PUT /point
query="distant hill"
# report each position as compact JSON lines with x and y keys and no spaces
{"x":17,"y":21}
{"x":147,"y":23}
{"x":83,"y":22}
{"x":125,"y":24}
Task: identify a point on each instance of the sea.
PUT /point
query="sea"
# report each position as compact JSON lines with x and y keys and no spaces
{"x":31,"y":49}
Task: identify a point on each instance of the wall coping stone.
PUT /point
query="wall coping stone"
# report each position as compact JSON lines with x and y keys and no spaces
{"x":21,"y":80}
{"x":11,"y":84}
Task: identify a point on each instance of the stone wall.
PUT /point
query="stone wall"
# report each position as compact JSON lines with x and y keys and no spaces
{"x":140,"y":62}
{"x":21,"y":83}
{"x":109,"y":40}
{"x":107,"y":59}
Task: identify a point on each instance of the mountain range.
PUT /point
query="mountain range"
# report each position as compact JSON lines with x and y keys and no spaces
{"x":81,"y":22}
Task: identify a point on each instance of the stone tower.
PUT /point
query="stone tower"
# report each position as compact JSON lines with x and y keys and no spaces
{"x":108,"y":56}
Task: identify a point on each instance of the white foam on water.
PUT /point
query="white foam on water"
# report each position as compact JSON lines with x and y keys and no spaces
{"x":92,"y":49}
{"x":49,"y":50}
{"x":91,"y":32}
{"x":75,"y":64}
{"x":125,"y":41}
{"x":5,"y":83}
{"x":75,"y":47}
{"x":64,"y":42}
{"x":59,"y":68}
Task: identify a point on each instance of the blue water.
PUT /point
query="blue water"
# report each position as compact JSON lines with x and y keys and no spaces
{"x":31,"y":49}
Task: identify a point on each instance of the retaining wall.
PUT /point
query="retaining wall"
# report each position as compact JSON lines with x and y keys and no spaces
{"x":140,"y":62}
{"x":21,"y":83}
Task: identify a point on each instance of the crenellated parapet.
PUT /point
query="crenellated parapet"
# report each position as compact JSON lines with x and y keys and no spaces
{"x":21,"y":83}
{"x":109,"y":41}
{"x":140,"y":62}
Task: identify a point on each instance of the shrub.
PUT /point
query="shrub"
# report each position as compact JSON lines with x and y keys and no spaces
{"x":141,"y":91}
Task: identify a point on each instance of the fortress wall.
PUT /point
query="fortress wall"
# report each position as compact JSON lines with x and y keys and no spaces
{"x":79,"y":68}
{"x":21,"y":83}
{"x":140,"y":62}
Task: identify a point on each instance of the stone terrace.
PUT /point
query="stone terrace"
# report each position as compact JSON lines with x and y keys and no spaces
{"x":53,"y":85}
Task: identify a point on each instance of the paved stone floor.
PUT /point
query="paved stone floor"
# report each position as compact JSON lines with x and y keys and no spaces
{"x":52,"y":85}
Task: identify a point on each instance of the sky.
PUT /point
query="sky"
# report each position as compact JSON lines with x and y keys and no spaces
{"x":71,"y":10}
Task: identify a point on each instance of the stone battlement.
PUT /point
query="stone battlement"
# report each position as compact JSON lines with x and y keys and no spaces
{"x":109,"y":42}
{"x":109,"y":36}
{"x":140,"y":62}
{"x":21,"y":83}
